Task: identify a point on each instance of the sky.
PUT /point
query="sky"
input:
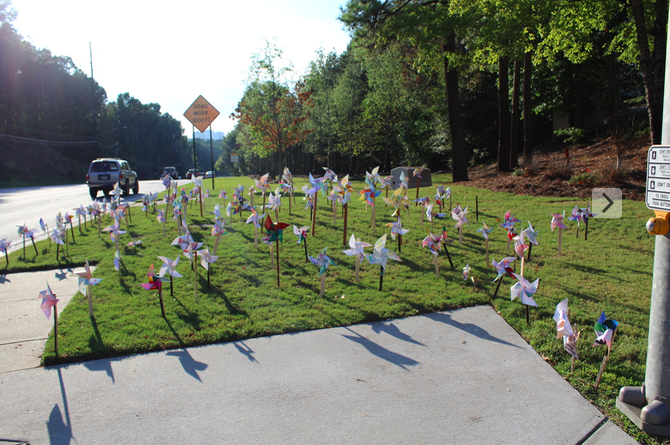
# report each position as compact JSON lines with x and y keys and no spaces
{"x":170,"y":52}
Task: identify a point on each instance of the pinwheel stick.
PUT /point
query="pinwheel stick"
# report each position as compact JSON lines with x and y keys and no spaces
{"x":98,"y":219}
{"x":418,"y":185}
{"x":289,"y":202}
{"x":7,"y":257}
{"x":437,"y":266}
{"x":57,"y":254}
{"x":72,"y":230}
{"x":358,"y":266}
{"x":495,"y":294}
{"x":527,"y":314}
{"x":195,"y":269}
{"x":209,"y":273}
{"x":345,"y":209}
{"x":130,"y":218}
{"x":374,"y":217}
{"x":255,"y":238}
{"x":171,"y":287}
{"x":460,"y":235}
{"x":586,"y":231}
{"x":530,"y":250}
{"x":323,"y":284}
{"x":278,"y":282}
{"x":67,"y":245}
{"x":602,"y":369}
{"x":487,"y":251}
{"x":314,"y":214}
{"x":56,"y":328}
{"x":306,"y":259}
{"x":560,"y":233}
{"x":200,"y":195}
{"x":577,"y":233}
{"x":448,"y":256}
{"x":381,"y":277}
{"x":160,"y":297}
{"x":89,"y":299}
{"x":24,"y":247}
{"x":523,"y":263}
{"x":164,"y":234}
{"x":477,"y":207}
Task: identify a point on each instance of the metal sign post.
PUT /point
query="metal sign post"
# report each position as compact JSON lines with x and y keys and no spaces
{"x":648,"y":406}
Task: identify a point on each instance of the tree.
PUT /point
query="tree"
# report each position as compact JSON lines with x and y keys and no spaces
{"x":432,"y":28}
{"x":271,"y":113}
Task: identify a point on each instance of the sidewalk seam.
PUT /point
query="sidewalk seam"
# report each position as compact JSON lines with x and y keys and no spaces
{"x":593,"y":431}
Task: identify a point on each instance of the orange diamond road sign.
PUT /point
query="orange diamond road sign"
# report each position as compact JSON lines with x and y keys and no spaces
{"x":201,"y":114}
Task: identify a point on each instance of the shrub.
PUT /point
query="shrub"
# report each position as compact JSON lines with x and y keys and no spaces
{"x":559,"y":170}
{"x":585,"y":178}
{"x":571,"y":136}
{"x":612,"y":175}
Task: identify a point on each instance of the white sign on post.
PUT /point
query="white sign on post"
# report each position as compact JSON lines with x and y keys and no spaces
{"x":657,"y":196}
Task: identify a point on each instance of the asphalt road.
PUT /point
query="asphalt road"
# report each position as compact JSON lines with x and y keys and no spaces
{"x":26,"y":205}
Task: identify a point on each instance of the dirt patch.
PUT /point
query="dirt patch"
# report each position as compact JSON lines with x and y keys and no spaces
{"x":590,"y":166}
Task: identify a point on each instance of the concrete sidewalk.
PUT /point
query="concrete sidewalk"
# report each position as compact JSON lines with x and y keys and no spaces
{"x":462,"y":376}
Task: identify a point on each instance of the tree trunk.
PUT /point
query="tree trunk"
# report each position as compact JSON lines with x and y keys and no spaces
{"x":649,"y":77}
{"x":516,"y":117}
{"x":459,"y":164}
{"x":503,"y":115}
{"x":527,"y":111}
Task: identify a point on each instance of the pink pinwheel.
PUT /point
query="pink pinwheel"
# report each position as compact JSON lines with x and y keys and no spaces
{"x":520,"y":247}
{"x":206,"y":258}
{"x":531,"y":234}
{"x":155,"y":284}
{"x":25,"y":232}
{"x":329,"y":175}
{"x":565,"y":331}
{"x":49,"y":300}
{"x":459,"y":215}
{"x":557,"y":222}
{"x":170,"y":267}
{"x":356,"y":248}
{"x":396,"y":229}
{"x":86,"y":280}
{"x":434,"y":244}
{"x":524,"y":290}
{"x":223,"y":195}
{"x":161,"y":219}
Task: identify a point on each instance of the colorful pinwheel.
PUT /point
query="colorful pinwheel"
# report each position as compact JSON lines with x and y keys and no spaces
{"x":274,"y":232}
{"x":531,"y":234}
{"x":467,"y":273}
{"x":49,"y":300}
{"x":155,"y":284}
{"x":5,"y":244}
{"x":25,"y":232}
{"x":485,"y":230}
{"x":434,"y":244}
{"x":525,"y":291}
{"x":380,"y":255}
{"x":557,"y":222}
{"x":170,"y":267}
{"x":206,"y":258}
{"x":218,"y":229}
{"x":459,"y":215}
{"x":356,"y":248}
{"x":301,"y":233}
{"x":323,"y":262}
{"x":605,"y":329}
{"x":396,"y":229}
{"x":86,"y":280}
{"x":565,"y":331}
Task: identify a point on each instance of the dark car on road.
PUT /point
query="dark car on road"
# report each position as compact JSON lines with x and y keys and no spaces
{"x":191,"y":173}
{"x":170,"y":171}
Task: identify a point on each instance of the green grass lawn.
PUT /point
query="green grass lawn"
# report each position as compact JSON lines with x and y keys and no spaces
{"x":610,"y":272}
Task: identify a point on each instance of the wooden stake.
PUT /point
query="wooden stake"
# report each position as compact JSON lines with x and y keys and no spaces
{"x":305,"y":242}
{"x":602,"y":369}
{"x":89,"y":298}
{"x":160,"y":297}
{"x":586,"y":231}
{"x":460,"y":235}
{"x":487,"y":251}
{"x":358,"y":266}
{"x":374,"y":216}
{"x":448,"y":256}
{"x":323,"y":284}
{"x":495,"y":294}
{"x":255,"y":238}
{"x":418,"y":185}
{"x":560,"y":233}
{"x":195,"y":270}
{"x":345,"y":208}
{"x":437,"y":266}
{"x":56,"y":328}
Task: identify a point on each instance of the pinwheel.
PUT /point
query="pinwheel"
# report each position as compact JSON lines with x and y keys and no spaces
{"x":135,"y":243}
{"x":520,"y":248}
{"x":557,"y":222}
{"x":370,"y":193}
{"x":170,"y":267}
{"x":356,"y":248}
{"x":155,"y":284}
{"x":323,"y":262}
{"x":114,"y":233}
{"x":346,"y":191}
{"x":45,"y":226}
{"x":301,"y":233}
{"x":317,"y":184}
{"x":441,"y":195}
{"x":458,"y":215}
{"x":605,"y":329}
{"x":85,"y":282}
{"x":161,"y":219}
{"x":424,"y":200}
{"x":218,"y":230}
{"x":206,"y":258}
{"x":58,"y":238}
{"x":116,"y":192}
{"x":24,"y":231}
{"x":502,"y":268}
{"x":288,"y":179}
{"x":396,"y":229}
{"x":274,"y":201}
{"x":274,"y":231}
{"x":531,"y":234}
{"x":467,"y":273}
{"x":564,"y":331}
{"x":49,"y":300}
{"x":380,"y":255}
{"x":429,"y":214}
{"x":80,"y":211}
{"x":418,"y":171}
{"x":4,"y":248}
{"x":525,"y":291}
{"x":223,"y":195}
{"x":262,"y":186}
{"x":197,"y":189}
{"x":586,"y":215}
{"x":434,"y":244}
{"x":256,"y":219}
{"x":485,"y":230}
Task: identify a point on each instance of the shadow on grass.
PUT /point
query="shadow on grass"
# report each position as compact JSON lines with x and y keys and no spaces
{"x":470,"y":328}
{"x":379,"y":351}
